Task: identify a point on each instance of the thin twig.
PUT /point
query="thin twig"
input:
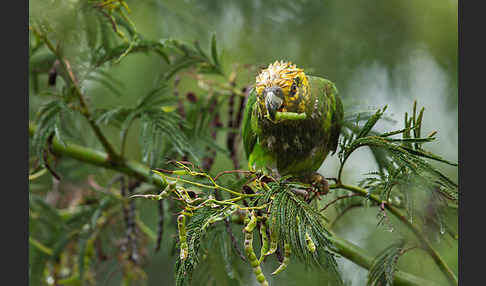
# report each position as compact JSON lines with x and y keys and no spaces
{"x":232,"y":172}
{"x":339,"y":198}
{"x":215,"y":124}
{"x":230,"y":231}
{"x":341,"y":214}
{"x":160,"y":230}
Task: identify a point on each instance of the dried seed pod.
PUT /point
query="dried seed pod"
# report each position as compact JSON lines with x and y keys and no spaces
{"x":250,"y":253}
{"x":181,"y":225}
{"x":285,"y":262}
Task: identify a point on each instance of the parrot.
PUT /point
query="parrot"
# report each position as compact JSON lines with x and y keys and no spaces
{"x":291,"y":122}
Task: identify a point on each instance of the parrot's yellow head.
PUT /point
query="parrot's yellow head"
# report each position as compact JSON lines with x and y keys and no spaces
{"x":282,"y":87}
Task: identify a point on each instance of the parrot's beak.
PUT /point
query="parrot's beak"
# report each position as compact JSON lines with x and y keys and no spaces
{"x":273,"y":102}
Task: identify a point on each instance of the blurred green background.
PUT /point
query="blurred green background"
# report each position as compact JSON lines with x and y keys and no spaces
{"x":377,"y":53}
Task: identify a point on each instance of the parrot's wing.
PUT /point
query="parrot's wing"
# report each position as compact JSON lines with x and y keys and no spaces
{"x":326,"y":87}
{"x":337,"y":120}
{"x":249,"y":136}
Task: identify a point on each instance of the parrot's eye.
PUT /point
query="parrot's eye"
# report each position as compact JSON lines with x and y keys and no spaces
{"x":293,"y":89}
{"x":297,"y":81}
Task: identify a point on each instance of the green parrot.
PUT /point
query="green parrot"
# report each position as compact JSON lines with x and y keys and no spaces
{"x":291,"y":122}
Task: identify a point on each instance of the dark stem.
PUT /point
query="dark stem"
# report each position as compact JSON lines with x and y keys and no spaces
{"x":233,"y":124}
{"x":45,"y":157}
{"x":339,"y":198}
{"x":160,"y":230}
{"x":218,"y":196}
{"x":208,"y":161}
{"x":341,"y":214}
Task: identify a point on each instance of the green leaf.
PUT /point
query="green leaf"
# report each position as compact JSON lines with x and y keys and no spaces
{"x":155,"y":98}
{"x":105,"y":203}
{"x":114,"y":116}
{"x":50,"y":215}
{"x":61,"y":243}
{"x":411,"y":160}
{"x":384,"y":265}
{"x":160,"y":126}
{"x":107,"y":82}
{"x":37,"y":264}
{"x":83,"y":240}
{"x":214,"y":50}
{"x":371,"y":123}
{"x":179,"y":65}
{"x":195,"y":232}
{"x":48,"y":123}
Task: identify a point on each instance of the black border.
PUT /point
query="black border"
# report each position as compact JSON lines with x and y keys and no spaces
{"x":15,"y":155}
{"x":471,"y":142}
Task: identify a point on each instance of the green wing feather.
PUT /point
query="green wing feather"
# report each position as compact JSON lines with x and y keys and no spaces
{"x":337,"y":120}
{"x":249,"y":137}
{"x":322,"y":87}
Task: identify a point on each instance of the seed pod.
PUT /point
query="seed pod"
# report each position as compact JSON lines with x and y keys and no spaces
{"x":252,"y":224}
{"x":286,"y":259}
{"x":181,"y":225}
{"x":263,"y":233}
{"x":180,"y":172}
{"x":273,"y":240}
{"x":250,"y":253}
{"x":310,"y":244}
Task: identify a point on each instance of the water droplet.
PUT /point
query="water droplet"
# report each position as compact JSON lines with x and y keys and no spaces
{"x":441,"y":228}
{"x":442,"y":231}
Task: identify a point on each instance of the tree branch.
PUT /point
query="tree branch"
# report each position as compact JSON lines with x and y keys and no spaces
{"x":101,"y":159}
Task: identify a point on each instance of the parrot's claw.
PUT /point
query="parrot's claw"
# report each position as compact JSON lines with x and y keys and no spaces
{"x":319,"y":184}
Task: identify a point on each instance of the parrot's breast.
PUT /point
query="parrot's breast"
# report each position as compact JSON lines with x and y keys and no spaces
{"x":298,"y":146}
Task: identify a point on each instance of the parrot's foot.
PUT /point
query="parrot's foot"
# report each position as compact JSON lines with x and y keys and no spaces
{"x":266,"y":175}
{"x":319,"y":184}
